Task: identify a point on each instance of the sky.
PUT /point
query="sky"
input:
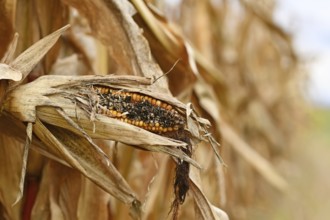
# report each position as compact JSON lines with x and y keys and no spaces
{"x":309,"y":22}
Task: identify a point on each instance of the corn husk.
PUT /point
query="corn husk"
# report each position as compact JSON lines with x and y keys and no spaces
{"x":59,"y":107}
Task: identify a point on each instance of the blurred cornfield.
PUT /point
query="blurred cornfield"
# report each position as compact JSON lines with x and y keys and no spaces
{"x":228,"y":58}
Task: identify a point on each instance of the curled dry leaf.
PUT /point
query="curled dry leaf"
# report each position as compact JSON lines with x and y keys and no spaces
{"x":50,"y":17}
{"x":87,"y":158}
{"x":7,"y":72}
{"x":9,"y":174}
{"x":110,"y":29}
{"x":26,"y":61}
{"x":9,"y":55}
{"x":17,"y":70}
{"x":204,"y":208}
{"x":7,"y":13}
{"x":130,"y":53}
{"x":24,"y":160}
{"x":165,"y":38}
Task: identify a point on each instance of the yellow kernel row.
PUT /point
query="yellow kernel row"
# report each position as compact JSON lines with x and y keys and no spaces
{"x":107,"y":90}
{"x":103,"y":90}
{"x":155,"y":128}
{"x":137,"y":98}
{"x":111,"y":113}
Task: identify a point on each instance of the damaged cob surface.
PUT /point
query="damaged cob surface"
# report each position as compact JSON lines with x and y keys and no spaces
{"x":140,"y":110}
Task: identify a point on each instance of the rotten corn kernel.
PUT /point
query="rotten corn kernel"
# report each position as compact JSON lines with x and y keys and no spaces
{"x":140,"y":110}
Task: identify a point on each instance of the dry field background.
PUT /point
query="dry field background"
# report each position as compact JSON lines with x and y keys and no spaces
{"x":229,"y":59}
{"x":307,"y":172}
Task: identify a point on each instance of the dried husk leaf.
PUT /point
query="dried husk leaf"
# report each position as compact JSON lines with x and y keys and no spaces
{"x":9,"y":55}
{"x":205,"y":210}
{"x":7,"y":14}
{"x":164,"y":36}
{"x":12,"y":127}
{"x":130,"y":53}
{"x":156,"y":187}
{"x":10,"y":165}
{"x":50,"y":16}
{"x":7,"y":72}
{"x":89,"y":207}
{"x":88,"y":159}
{"x":109,"y":29}
{"x":258,"y":162}
{"x":27,"y":60}
{"x":24,"y":161}
{"x":58,"y":193}
{"x":168,"y":46}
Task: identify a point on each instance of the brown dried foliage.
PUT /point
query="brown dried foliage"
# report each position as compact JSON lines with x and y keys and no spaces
{"x":236,"y":69}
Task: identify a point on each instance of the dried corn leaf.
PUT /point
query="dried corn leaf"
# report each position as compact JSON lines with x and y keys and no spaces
{"x":58,"y":193}
{"x":257,"y":161}
{"x":165,"y":36}
{"x":9,"y":55}
{"x":7,"y":14}
{"x":50,"y":15}
{"x":88,"y":159}
{"x":24,"y":161}
{"x":168,"y":46}
{"x":26,"y":61}
{"x":205,"y":210}
{"x":89,"y":207}
{"x":266,"y":124}
{"x":108,"y":30}
{"x":10,"y":165}
{"x":156,"y":187}
{"x":130,"y":52}
{"x":7,"y":72}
